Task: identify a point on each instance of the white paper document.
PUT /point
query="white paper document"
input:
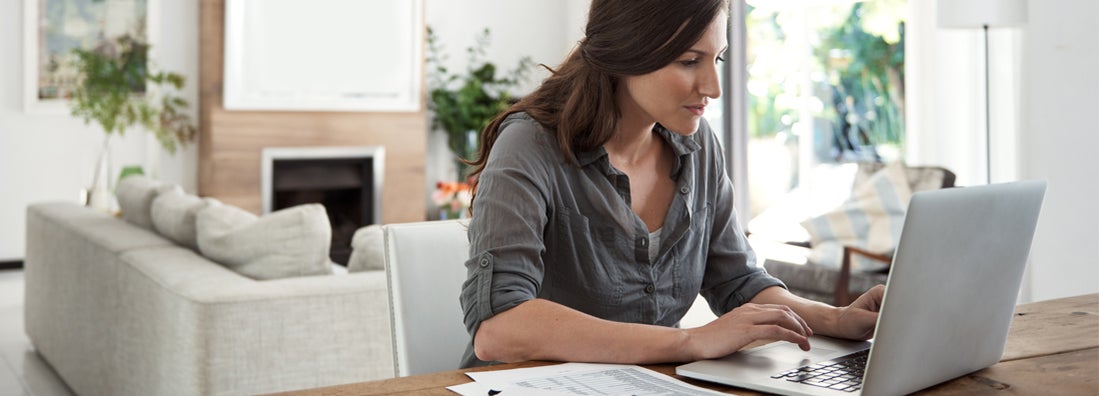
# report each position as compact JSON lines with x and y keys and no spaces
{"x":577,"y":379}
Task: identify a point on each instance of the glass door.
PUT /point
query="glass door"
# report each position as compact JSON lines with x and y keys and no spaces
{"x":825,"y":90}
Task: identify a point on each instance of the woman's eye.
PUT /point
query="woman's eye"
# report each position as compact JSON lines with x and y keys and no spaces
{"x":719,"y":59}
{"x":690,"y":62}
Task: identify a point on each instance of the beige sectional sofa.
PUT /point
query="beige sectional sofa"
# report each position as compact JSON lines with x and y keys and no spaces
{"x":118,"y":309}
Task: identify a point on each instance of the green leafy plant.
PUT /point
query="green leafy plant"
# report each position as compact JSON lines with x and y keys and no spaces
{"x":849,"y":95}
{"x":111,"y":90}
{"x":463,"y":104}
{"x":868,"y":76}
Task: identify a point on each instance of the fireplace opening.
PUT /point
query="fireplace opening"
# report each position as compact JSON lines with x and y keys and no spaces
{"x":347,"y":181}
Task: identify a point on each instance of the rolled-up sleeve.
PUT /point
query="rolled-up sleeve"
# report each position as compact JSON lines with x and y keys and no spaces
{"x":505,"y":267}
{"x":732,"y":276}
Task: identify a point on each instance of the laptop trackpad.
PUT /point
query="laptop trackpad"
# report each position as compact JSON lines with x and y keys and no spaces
{"x":786,"y":352}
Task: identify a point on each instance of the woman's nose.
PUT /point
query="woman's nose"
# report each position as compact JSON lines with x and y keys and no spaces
{"x":709,"y":84}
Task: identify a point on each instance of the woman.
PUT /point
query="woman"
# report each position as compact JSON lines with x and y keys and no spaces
{"x":602,"y":209}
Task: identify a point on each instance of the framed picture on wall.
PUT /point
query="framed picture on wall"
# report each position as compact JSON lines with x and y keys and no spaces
{"x":52,"y":29}
{"x":323,"y":55}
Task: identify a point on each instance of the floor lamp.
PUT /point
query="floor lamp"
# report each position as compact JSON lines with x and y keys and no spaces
{"x":983,"y":14}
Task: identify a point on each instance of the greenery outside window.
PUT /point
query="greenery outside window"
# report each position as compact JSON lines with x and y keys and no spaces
{"x":825,"y":88}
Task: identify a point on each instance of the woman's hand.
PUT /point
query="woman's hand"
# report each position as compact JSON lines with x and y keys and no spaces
{"x":857,"y":321}
{"x":744,"y":325}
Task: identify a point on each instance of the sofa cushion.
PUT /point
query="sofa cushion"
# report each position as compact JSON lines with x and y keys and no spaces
{"x":173,"y":213}
{"x":871,"y":219}
{"x":367,"y":249}
{"x":287,"y":243}
{"x":135,"y":199}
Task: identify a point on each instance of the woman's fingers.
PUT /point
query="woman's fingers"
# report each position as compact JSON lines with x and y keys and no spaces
{"x":781,"y":315}
{"x":775,"y":322}
{"x":748,"y":323}
{"x":776,"y":332}
{"x":805,"y":325}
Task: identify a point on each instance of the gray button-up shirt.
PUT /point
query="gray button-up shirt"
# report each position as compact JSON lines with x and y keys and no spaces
{"x":545,"y":228}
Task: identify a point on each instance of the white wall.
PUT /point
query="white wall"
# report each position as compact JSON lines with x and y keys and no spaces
{"x":1061,"y":143}
{"x":544,"y":30}
{"x":51,"y":157}
{"x":1045,"y":98}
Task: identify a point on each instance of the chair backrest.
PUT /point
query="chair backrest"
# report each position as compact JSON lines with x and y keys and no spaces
{"x":424,"y":263}
{"x":920,"y":178}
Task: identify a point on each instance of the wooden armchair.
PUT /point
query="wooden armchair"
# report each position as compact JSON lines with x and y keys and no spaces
{"x":842,"y":294}
{"x":841,"y":286}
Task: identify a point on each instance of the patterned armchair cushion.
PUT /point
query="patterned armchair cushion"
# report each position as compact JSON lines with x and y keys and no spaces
{"x":920,"y":178}
{"x":871,"y":219}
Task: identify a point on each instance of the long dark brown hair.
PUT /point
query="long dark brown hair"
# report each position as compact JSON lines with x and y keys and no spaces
{"x":622,"y":38}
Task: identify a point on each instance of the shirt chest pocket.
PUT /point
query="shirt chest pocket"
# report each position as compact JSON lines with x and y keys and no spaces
{"x":572,"y":237}
{"x":582,"y":261}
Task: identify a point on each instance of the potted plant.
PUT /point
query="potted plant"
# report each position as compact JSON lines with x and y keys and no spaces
{"x":463,"y":104}
{"x":112,"y":90}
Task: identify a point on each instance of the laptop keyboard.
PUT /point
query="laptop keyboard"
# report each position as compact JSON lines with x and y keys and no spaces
{"x":843,"y":373}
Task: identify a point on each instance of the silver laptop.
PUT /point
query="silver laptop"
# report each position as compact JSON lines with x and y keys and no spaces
{"x":948,"y":304}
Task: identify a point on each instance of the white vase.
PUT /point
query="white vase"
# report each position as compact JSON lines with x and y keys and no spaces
{"x":100,"y":196}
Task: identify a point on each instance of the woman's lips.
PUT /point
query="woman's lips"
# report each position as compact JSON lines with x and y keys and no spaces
{"x":697,"y":110}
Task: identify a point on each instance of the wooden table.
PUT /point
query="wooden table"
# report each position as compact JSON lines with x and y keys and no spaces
{"x":1053,"y":348}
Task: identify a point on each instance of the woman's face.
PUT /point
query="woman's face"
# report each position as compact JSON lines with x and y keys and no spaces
{"x":676,"y":95}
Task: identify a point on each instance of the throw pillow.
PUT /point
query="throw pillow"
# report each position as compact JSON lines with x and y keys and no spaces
{"x":920,"y":178}
{"x":871,"y":219}
{"x":135,"y":199}
{"x":291,"y":242}
{"x":173,"y":214}
{"x":367,"y":249}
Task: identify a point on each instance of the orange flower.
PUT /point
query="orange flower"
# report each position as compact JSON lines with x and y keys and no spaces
{"x":453,"y":196}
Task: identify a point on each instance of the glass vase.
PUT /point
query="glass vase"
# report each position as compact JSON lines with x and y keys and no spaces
{"x":99,"y":193}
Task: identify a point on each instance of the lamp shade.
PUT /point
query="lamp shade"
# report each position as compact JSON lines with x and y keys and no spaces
{"x":980,"y":13}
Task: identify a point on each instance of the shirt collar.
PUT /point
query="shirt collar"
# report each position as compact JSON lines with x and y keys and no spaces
{"x":681,"y":146}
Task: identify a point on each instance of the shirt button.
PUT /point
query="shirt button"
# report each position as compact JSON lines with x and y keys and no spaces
{"x":644,"y":242}
{"x":650,"y":289}
{"x":484,"y":262}
{"x":684,"y":190}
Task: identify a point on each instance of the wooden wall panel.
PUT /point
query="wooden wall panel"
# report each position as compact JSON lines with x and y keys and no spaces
{"x":231,"y":142}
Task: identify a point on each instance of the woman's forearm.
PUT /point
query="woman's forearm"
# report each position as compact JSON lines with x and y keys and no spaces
{"x":821,"y":317}
{"x":543,"y":330}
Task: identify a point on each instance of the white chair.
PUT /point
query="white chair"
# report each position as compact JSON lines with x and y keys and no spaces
{"x":424,"y":263}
